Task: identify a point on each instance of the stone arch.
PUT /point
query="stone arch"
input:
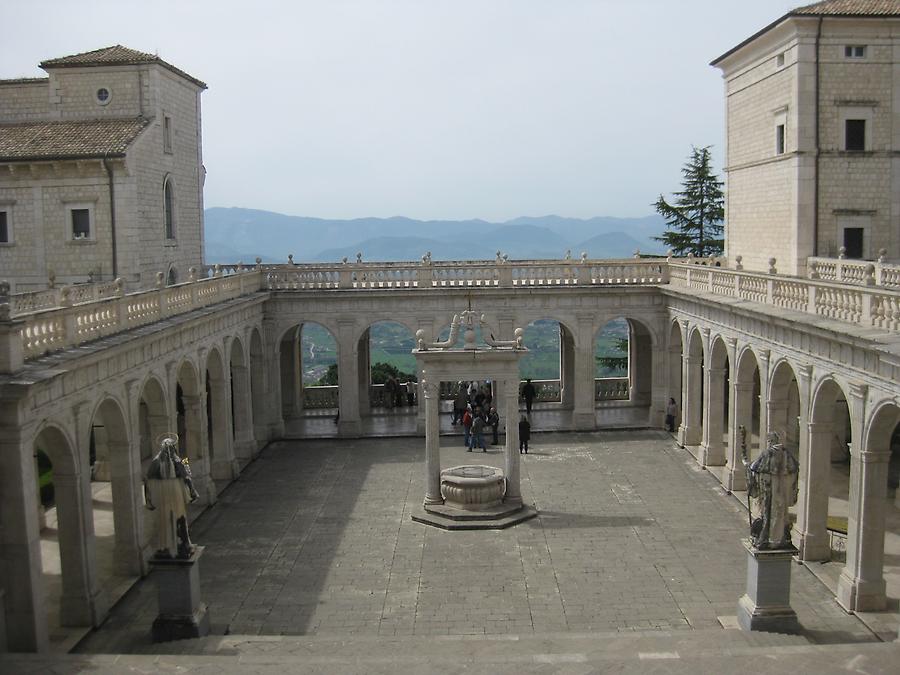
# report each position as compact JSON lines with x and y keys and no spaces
{"x":827,"y":460}
{"x":372,"y":390}
{"x":691,"y":431}
{"x":784,"y":404}
{"x":746,"y":391}
{"x":70,"y":578}
{"x":717,"y":386}
{"x":675,"y":355}
{"x":548,"y":375}
{"x":300,"y":368}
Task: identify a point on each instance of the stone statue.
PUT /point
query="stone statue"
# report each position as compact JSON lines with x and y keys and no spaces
{"x":772,"y":481}
{"x":168,"y":487}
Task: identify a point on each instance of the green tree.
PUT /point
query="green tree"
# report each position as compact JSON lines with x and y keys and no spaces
{"x":615,"y":363}
{"x":694,"y":224}
{"x":381,"y":371}
{"x":330,"y":378}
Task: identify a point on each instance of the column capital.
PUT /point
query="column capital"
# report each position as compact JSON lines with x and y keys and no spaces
{"x":763,"y":355}
{"x":704,"y":331}
{"x":872,"y":457}
{"x":819,"y":427}
{"x":717,"y":372}
{"x":804,"y":372}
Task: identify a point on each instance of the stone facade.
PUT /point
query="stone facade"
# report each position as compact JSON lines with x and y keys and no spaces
{"x":809,"y":195}
{"x":123,"y":192}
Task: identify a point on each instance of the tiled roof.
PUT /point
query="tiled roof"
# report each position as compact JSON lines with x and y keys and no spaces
{"x":836,"y":8}
{"x":850,"y":8}
{"x":25,"y":80}
{"x":117,"y":55}
{"x":68,"y":140}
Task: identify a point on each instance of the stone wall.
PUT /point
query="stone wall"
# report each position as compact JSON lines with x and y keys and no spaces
{"x":21,"y":101}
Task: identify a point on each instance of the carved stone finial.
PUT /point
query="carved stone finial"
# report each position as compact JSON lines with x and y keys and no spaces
{"x":637,"y":253}
{"x":842,"y":252}
{"x":670,"y":254}
{"x":870,"y":274}
{"x":359,"y":256}
{"x":499,"y":257}
{"x":738,"y":262}
{"x":505,"y":258}
{"x":217,"y":270}
{"x":290,"y":258}
{"x":258,"y":262}
{"x":344,"y":260}
{"x":51,"y":279}
{"x":584,"y":256}
{"x":518,"y":333}
{"x":192,"y":274}
{"x":882,"y":255}
{"x":65,"y":297}
{"x":772,"y":269}
{"x":90,"y":276}
{"x":690,"y":257}
{"x":420,"y":340}
{"x":160,"y":279}
{"x":240,"y":267}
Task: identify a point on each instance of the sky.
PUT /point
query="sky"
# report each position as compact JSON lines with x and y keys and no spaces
{"x":431,"y":109}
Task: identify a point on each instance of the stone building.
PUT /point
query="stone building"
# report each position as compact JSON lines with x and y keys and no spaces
{"x":813,"y":126}
{"x":101,"y":171}
{"x":217,"y":357}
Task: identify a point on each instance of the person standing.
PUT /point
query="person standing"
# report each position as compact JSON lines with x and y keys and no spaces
{"x":459,"y":403}
{"x":528,"y":393}
{"x":477,"y":438}
{"x":671,"y":414}
{"x":493,"y":420}
{"x":524,"y":435}
{"x":467,"y":426}
{"x":411,"y":392}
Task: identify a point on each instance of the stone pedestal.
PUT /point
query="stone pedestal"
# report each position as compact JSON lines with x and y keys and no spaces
{"x":181,"y":613}
{"x":767,"y":604}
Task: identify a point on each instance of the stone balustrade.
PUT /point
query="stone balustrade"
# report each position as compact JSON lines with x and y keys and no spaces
{"x":611,"y":389}
{"x":869,"y":306}
{"x":856,"y":272}
{"x":866,"y":294}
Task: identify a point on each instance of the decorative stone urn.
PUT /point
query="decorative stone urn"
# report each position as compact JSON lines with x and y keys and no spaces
{"x":472,"y":488}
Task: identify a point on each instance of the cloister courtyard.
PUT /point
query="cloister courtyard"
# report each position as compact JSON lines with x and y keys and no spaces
{"x":315,"y":538}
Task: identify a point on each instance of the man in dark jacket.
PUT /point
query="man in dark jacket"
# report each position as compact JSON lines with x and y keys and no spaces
{"x":524,"y":435}
{"x":493,"y":420}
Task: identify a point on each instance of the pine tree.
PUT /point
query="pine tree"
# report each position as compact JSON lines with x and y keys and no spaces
{"x":694,"y":224}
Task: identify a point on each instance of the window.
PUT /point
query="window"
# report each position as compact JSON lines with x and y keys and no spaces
{"x":855,"y":52}
{"x":167,"y":134}
{"x":81,"y":223}
{"x":779,"y":139}
{"x":5,"y":226}
{"x":103,"y":96}
{"x":169,"y":208}
{"x":853,"y":242}
{"x":854,"y":135}
{"x":779,"y":60}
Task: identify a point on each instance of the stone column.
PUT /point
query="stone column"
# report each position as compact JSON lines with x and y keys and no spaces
{"x":125,"y":483}
{"x":271,"y":348}
{"x":364,"y":370}
{"x":20,"y":543}
{"x":689,"y":432}
{"x":733,"y":449}
{"x":584,"y":414}
{"x":426,"y":324}
{"x":348,"y":379}
{"x":764,"y":379}
{"x":812,"y":499}
{"x":244,"y":441}
{"x":223,"y":466}
{"x":712,"y":452}
{"x":432,"y":394}
{"x":861,"y":586}
{"x":290,"y":375}
{"x":566,"y":368}
{"x":659,"y":398}
{"x":196,"y":446}
{"x":513,"y":481}
{"x":741,"y":403}
{"x":82,"y":602}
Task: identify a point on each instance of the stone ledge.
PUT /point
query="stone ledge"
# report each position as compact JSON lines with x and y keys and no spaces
{"x":499,"y":518}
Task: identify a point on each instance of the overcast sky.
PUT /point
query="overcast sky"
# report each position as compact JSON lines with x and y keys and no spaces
{"x":427,"y":108}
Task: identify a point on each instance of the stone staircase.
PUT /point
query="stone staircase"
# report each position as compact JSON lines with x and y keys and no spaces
{"x":679,"y":651}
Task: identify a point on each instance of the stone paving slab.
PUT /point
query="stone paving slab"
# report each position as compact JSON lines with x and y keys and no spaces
{"x":316,"y":538}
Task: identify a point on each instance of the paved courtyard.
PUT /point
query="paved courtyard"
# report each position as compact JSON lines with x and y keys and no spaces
{"x":316,"y":538}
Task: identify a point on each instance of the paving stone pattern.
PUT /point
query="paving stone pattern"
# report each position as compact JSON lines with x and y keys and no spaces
{"x":316,"y":538}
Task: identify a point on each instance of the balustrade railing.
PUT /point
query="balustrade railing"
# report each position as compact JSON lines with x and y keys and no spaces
{"x":320,"y":397}
{"x":856,"y":272}
{"x":611,"y":389}
{"x":869,"y":305}
{"x":867,"y":294}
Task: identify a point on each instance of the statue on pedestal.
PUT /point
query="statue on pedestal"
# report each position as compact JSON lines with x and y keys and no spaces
{"x":772,"y":480}
{"x":168,"y":487}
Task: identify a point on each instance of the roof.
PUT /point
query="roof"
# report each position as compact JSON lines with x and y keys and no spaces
{"x":117,"y":55}
{"x":831,"y":8}
{"x":25,"y":80}
{"x":81,"y":139}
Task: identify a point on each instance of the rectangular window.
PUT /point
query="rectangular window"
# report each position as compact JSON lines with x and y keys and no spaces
{"x":779,"y":60}
{"x":779,"y":139}
{"x":5,"y":229}
{"x":81,"y":223}
{"x":855,"y":52}
{"x":855,"y":135}
{"x":167,"y":134}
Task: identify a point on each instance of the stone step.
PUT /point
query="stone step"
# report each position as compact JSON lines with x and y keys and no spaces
{"x":619,"y":653}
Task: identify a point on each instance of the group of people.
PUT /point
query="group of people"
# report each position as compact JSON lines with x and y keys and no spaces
{"x":394,"y":390}
{"x":472,"y":408}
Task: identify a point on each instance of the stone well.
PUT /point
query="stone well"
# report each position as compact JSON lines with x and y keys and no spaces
{"x":473,"y":488}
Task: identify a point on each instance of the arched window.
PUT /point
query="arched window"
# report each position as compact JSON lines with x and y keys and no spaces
{"x":172,"y":277}
{"x":169,"y":206}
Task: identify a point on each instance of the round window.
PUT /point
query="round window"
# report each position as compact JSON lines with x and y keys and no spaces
{"x":103,"y":96}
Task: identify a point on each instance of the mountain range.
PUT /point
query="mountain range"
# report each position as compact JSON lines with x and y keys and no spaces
{"x":238,"y":234}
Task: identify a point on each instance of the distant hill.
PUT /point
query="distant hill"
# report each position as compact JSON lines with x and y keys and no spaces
{"x":234,"y":234}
